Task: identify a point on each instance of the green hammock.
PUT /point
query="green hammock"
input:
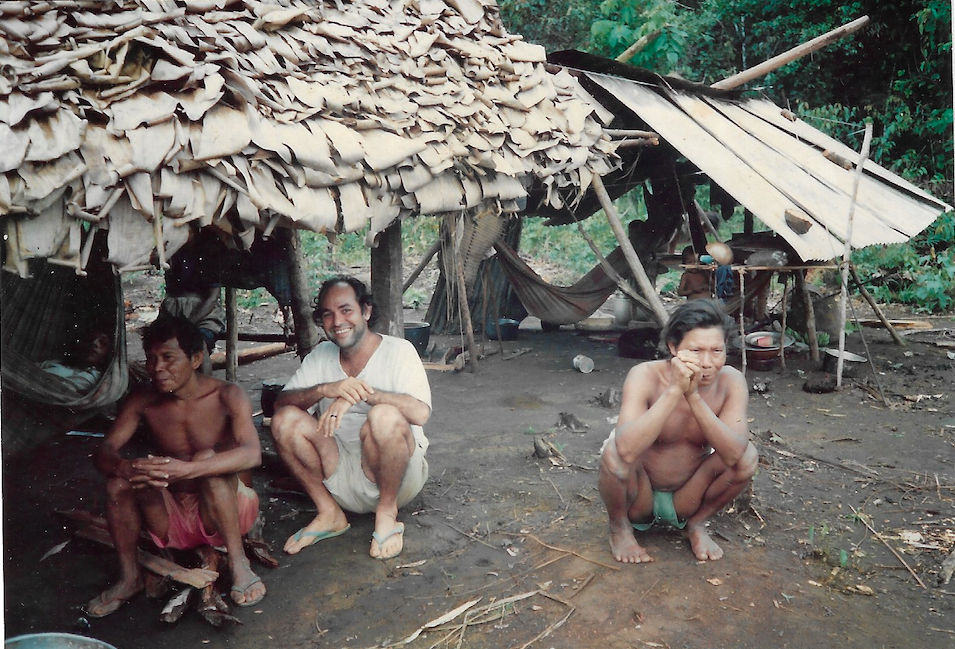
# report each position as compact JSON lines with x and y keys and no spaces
{"x":46,"y":315}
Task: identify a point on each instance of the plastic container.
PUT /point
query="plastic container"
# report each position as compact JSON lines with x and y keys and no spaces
{"x":583,"y":364}
{"x":419,"y":335}
{"x":506,"y":326}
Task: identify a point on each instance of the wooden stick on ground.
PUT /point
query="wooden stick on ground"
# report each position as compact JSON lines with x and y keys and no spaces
{"x":898,"y":556}
{"x":565,"y":550}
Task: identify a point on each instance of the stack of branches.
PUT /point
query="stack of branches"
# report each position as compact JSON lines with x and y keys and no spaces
{"x":192,"y":587}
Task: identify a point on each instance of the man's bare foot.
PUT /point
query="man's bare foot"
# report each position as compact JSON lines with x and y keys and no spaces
{"x":247,"y":587}
{"x":624,"y":546}
{"x":111,"y":599}
{"x":704,"y":547}
{"x":323,"y":526}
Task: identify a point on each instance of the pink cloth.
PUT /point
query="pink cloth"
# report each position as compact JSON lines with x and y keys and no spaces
{"x":185,"y":524}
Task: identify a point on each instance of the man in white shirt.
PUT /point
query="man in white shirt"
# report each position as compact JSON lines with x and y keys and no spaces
{"x":348,"y":423}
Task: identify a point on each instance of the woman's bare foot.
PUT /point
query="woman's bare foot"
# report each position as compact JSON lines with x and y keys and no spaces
{"x":323,"y":526}
{"x":704,"y":547}
{"x":111,"y":599}
{"x":624,"y":546}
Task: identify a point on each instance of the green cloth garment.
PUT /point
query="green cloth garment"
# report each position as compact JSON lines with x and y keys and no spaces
{"x":663,"y":512}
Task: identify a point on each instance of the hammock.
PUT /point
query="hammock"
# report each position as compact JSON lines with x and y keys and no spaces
{"x":47,"y":314}
{"x":560,"y":304}
{"x":570,"y":304}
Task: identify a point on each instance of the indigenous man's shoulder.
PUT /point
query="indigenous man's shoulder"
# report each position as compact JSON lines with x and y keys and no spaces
{"x":729,"y":375}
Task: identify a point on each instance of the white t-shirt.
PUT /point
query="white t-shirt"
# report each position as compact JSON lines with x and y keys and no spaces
{"x":393,"y":367}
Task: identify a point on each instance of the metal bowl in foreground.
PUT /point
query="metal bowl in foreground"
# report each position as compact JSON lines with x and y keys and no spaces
{"x":55,"y":641}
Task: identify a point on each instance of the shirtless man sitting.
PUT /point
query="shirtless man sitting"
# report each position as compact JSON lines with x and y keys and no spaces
{"x":681,"y":450}
{"x":192,"y":493}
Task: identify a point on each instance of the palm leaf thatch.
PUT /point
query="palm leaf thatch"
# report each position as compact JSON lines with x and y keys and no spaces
{"x":142,"y":116}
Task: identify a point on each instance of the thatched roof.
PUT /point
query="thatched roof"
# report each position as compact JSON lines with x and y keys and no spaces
{"x":141,"y":116}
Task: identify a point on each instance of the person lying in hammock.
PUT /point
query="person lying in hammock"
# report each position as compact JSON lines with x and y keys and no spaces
{"x":83,"y":370}
{"x":194,"y":491}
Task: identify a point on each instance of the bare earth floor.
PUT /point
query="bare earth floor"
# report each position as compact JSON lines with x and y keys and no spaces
{"x":496,"y":523}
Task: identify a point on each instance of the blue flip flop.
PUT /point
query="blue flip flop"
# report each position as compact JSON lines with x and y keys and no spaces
{"x":315,"y":537}
{"x":241,"y":591}
{"x":399,"y":530}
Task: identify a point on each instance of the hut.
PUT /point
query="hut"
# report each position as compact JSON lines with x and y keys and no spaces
{"x":127,"y":126}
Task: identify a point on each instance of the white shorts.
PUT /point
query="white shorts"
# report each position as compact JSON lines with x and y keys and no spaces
{"x":354,"y":492}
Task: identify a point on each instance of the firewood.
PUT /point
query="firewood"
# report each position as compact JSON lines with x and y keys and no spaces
{"x":195,"y":577}
{"x":177,"y":606}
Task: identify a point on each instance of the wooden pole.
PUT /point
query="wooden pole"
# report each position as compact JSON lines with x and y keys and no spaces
{"x":612,"y":273}
{"x":232,"y":336}
{"x":386,"y":281}
{"x":742,"y":321}
{"x":638,"y":45}
{"x":629,"y":253}
{"x":466,"y":324}
{"x":250,"y":355}
{"x":790,"y":55}
{"x":306,"y":331}
{"x":425,"y":260}
{"x":847,"y":253}
{"x":875,"y":308}
{"x":782,"y":349}
{"x":810,"y":314}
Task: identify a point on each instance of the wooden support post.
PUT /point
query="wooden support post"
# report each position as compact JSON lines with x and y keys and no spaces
{"x":425,"y":260}
{"x":810,"y":314}
{"x":462,"y":292}
{"x":306,"y":331}
{"x":629,"y":253}
{"x":742,"y":320}
{"x":386,"y":281}
{"x":847,"y":254}
{"x":782,"y":349}
{"x":790,"y":55}
{"x":232,"y":336}
{"x":747,"y":222}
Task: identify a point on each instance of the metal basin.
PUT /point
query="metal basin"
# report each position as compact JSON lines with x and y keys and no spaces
{"x":55,"y":641}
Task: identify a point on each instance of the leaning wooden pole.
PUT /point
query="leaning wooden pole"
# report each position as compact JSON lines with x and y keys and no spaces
{"x":425,"y":260}
{"x":643,"y":280}
{"x":462,"y":292}
{"x":790,"y":55}
{"x":847,"y":253}
{"x":875,"y":307}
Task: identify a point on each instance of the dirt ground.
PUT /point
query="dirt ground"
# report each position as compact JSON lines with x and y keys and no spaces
{"x":851,"y":509}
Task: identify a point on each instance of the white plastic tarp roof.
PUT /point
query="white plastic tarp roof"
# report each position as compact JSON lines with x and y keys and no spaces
{"x":774,"y":166}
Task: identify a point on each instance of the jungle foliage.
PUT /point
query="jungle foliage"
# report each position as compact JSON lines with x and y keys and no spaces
{"x":895,"y":73}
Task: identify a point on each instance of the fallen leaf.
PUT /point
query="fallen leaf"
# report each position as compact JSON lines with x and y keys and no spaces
{"x":54,"y":550}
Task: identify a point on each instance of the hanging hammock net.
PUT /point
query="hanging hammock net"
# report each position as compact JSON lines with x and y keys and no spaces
{"x":49,"y":315}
